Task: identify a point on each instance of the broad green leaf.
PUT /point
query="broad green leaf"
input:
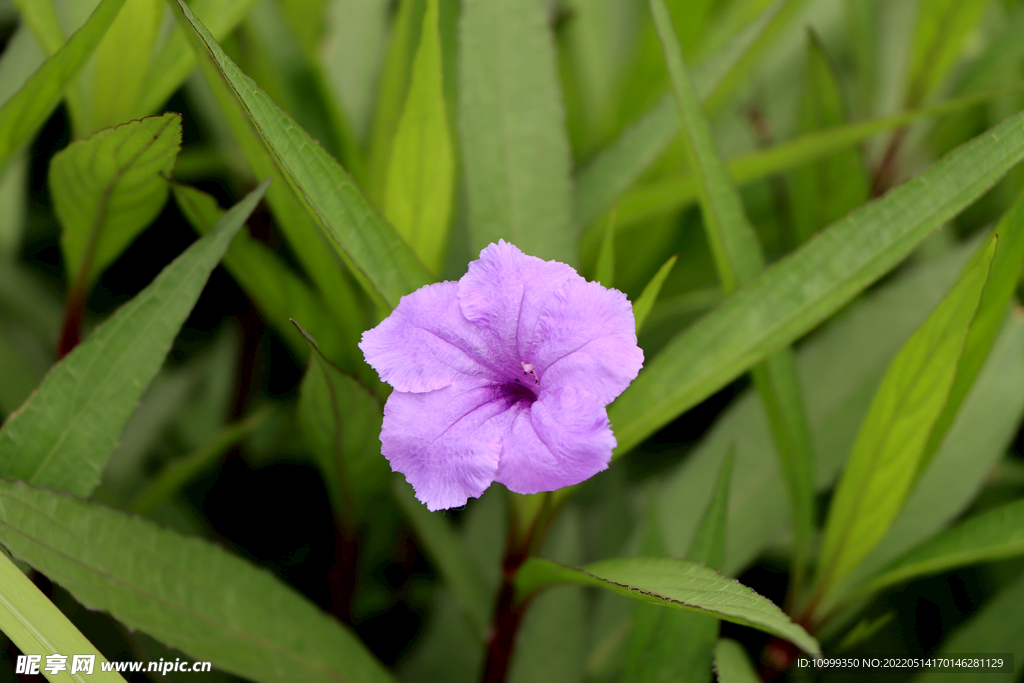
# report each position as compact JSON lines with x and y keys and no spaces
{"x":175,"y":58}
{"x":122,"y":63}
{"x":374,"y":249}
{"x":942,"y":26}
{"x":173,"y":479}
{"x":828,"y":189}
{"x":599,"y":186}
{"x":993,"y":535}
{"x":107,"y":188}
{"x":340,"y":422}
{"x":514,"y":147}
{"x":445,"y":551}
{"x":672,"y":583}
{"x":1002,"y":282}
{"x":799,"y":292}
{"x":420,"y":184}
{"x":278,"y":292}
{"x":192,"y":595}
{"x":645,"y":302}
{"x":732,"y":664}
{"x":679,"y":645}
{"x":304,"y":234}
{"x":37,"y":627}
{"x":886,"y":456}
{"x":25,"y":113}
{"x":738,"y":258}
{"x":64,"y":435}
{"x":997,"y":627}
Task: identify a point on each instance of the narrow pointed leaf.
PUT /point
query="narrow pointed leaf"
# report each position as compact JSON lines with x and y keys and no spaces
{"x":421,"y":175}
{"x":192,"y":595}
{"x":886,"y":455}
{"x":66,"y":432}
{"x":738,"y":258}
{"x":672,"y":583}
{"x":993,"y":535}
{"x":514,"y":147}
{"x":37,"y":627}
{"x":645,"y":302}
{"x":799,"y":292}
{"x":605,"y":270}
{"x":27,"y":111}
{"x":372,"y":246}
{"x":108,"y":187}
{"x":1002,"y":281}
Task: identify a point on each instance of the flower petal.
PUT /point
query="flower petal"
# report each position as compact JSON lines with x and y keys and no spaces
{"x":586,"y":338}
{"x":505,"y":291}
{"x":560,"y":440}
{"x":446,"y":442}
{"x":426,"y":343}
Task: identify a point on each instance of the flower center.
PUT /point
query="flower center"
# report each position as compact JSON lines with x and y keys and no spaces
{"x":524,"y":387}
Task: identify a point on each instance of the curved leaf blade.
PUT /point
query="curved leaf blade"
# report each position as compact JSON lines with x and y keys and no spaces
{"x":67,"y":430}
{"x":885,"y":459}
{"x":361,"y":234}
{"x":191,"y":594}
{"x":672,"y":583}
{"x":108,"y":187}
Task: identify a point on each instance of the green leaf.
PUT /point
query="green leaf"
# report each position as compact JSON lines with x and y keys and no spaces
{"x":828,"y":189}
{"x":278,"y":292}
{"x":514,"y":147}
{"x":886,"y":456}
{"x":942,"y":26}
{"x":192,"y":595}
{"x":64,"y":435}
{"x":997,"y":627}
{"x":671,"y":583}
{"x":340,"y":422}
{"x":421,"y":174}
{"x":679,"y":644}
{"x":338,"y":330}
{"x":799,"y":292}
{"x":37,"y":627}
{"x":993,"y":535}
{"x":731,"y":663}
{"x":27,"y":111}
{"x":738,"y":258}
{"x":1002,"y":281}
{"x":122,"y":63}
{"x":374,"y":249}
{"x":447,"y":554}
{"x":645,"y":302}
{"x":175,"y":59}
{"x":107,"y":188}
{"x":676,"y":191}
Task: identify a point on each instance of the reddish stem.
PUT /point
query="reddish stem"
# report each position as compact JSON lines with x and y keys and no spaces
{"x":71,"y":331}
{"x":507,"y":616}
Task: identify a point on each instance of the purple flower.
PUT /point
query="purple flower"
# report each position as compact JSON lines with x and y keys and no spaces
{"x":502,"y":376}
